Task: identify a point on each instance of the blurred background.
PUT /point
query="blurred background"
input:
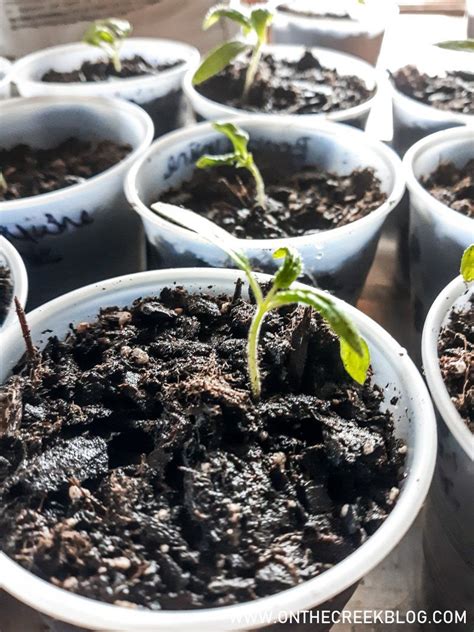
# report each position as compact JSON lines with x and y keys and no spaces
{"x":27,"y":25}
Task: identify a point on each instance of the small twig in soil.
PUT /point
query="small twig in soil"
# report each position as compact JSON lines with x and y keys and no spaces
{"x":25,"y":330}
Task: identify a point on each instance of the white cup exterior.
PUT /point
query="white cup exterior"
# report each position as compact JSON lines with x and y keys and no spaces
{"x":208,"y":110}
{"x":438,"y":234}
{"x":448,"y":537}
{"x":10,"y":257}
{"x":339,"y":258}
{"x":414,"y":120}
{"x":415,"y":423}
{"x":361,"y":36}
{"x":86,"y":231}
{"x":160,"y":94}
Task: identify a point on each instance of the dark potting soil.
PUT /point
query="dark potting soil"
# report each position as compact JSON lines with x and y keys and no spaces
{"x":456,"y":360}
{"x":291,"y":87}
{"x":136,"y":469}
{"x":285,"y":8}
{"x":29,"y":171}
{"x":6,"y":292}
{"x":105,"y":71}
{"x":453,"y":186}
{"x":298,"y":203}
{"x":454,"y":91}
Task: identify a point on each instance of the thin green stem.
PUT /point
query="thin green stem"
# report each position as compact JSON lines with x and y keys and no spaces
{"x":252,"y":344}
{"x":252,"y":351}
{"x":254,"y":286}
{"x":261,"y":196}
{"x":252,"y":69}
{"x":115,"y":56}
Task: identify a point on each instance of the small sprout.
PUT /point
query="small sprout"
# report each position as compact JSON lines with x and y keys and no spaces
{"x":354,"y":352}
{"x":467,"y":264}
{"x":218,"y":58}
{"x":462,"y":46}
{"x":240,"y":158}
{"x":3,"y":184}
{"x":109,"y":35}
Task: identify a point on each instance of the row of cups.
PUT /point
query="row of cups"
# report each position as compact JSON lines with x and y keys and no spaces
{"x":162,"y":95}
{"x":54,"y":231}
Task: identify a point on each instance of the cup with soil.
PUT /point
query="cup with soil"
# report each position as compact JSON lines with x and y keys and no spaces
{"x":151,"y":75}
{"x":62,"y":206}
{"x":329,"y":189}
{"x":350,"y":27}
{"x":439,"y":172}
{"x":429,"y":94}
{"x":139,"y":473}
{"x":448,"y":361}
{"x":5,"y":78}
{"x":13,"y":282}
{"x":303,"y":84}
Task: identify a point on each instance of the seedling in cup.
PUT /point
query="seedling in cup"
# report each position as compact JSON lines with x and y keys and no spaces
{"x":256,"y":24}
{"x":240,"y":158}
{"x":108,"y":35}
{"x":354,"y":351}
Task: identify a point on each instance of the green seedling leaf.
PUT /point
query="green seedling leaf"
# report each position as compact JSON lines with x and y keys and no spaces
{"x":260,"y":20}
{"x":467,"y":264}
{"x":355,"y":364}
{"x":108,"y":35}
{"x":290,"y":270}
{"x":222,"y":55}
{"x":241,"y":158}
{"x":218,"y":58}
{"x":323,"y":303}
{"x":221,"y":11}
{"x":237,"y":136}
{"x":463,"y":46}
{"x":353,"y":348}
{"x":218,"y":160}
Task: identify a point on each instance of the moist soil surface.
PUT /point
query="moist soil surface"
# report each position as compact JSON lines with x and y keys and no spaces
{"x":29,"y":171}
{"x":453,"y":91}
{"x":298,"y":203}
{"x":456,"y":360}
{"x":105,"y":71}
{"x":285,"y":8}
{"x":6,"y":292}
{"x":136,"y":469}
{"x":303,"y":86}
{"x":453,"y":186}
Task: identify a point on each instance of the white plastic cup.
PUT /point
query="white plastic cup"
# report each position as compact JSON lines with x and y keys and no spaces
{"x":448,"y":535}
{"x":361,"y":36}
{"x":415,"y":423}
{"x":208,"y":110}
{"x":159,"y":95}
{"x":438,"y":234}
{"x":339,"y":259}
{"x":5,"y":78}
{"x":412,"y":119}
{"x":19,"y":279}
{"x":84,"y":232}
